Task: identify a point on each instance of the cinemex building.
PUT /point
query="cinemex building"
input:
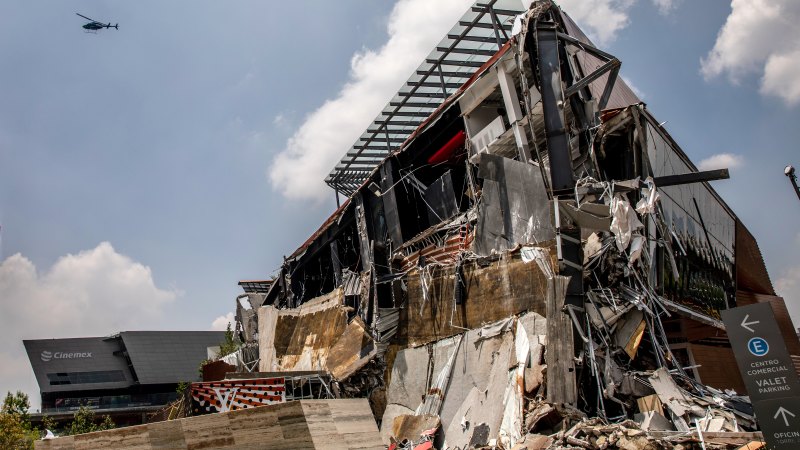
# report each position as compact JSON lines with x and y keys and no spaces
{"x":128,"y":375}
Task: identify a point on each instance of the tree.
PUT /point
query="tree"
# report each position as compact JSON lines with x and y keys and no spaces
{"x":15,"y":425}
{"x":17,"y":404}
{"x":83,"y":421}
{"x":48,"y":423}
{"x":13,"y":432}
{"x":230,"y":344}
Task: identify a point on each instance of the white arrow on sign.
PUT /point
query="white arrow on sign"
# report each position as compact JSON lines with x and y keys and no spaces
{"x":783,"y":412}
{"x":746,"y":325}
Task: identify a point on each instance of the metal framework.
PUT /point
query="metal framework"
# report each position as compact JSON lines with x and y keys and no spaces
{"x":477,"y":36}
{"x":255,"y":286}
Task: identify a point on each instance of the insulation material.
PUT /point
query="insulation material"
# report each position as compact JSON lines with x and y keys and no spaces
{"x":513,"y":416}
{"x":624,"y":221}
{"x":314,"y":337}
{"x":515,"y":208}
{"x":647,"y":204}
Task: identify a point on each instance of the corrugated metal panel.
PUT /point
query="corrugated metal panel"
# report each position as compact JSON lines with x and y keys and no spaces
{"x":751,"y":272}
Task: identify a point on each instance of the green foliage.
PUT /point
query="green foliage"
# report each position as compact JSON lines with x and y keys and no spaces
{"x":18,"y":404}
{"x":106,"y":424}
{"x":230,"y":344}
{"x":15,"y":425}
{"x":14,"y":434}
{"x":183,"y":386}
{"x":48,"y":423}
{"x":83,"y":421}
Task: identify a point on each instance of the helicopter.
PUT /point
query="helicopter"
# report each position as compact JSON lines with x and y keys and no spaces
{"x":94,"y":25}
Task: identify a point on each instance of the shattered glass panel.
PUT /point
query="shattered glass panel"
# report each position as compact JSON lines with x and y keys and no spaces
{"x":705,"y":257}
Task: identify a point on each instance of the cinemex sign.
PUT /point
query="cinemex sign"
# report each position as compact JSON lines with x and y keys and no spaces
{"x":47,"y":356}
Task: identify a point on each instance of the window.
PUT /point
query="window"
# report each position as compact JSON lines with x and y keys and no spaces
{"x":101,"y":376}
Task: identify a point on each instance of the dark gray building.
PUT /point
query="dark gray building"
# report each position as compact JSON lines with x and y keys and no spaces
{"x":126,"y":375}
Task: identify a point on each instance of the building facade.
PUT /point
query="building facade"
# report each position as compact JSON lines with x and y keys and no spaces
{"x":126,"y":376}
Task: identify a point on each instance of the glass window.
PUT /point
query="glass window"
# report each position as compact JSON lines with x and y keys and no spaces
{"x":100,"y":376}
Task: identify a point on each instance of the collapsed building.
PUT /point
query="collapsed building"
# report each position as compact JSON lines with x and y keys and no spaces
{"x":525,"y":258}
{"x":521,"y":241}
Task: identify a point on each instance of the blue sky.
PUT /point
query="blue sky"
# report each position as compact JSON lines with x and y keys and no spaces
{"x":145,"y":170}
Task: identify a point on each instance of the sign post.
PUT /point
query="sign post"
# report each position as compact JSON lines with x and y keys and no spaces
{"x":768,"y":372}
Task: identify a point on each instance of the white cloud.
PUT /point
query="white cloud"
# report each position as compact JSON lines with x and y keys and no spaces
{"x":93,"y":293}
{"x":760,"y":37}
{"x":601,"y":19}
{"x":221,"y":322}
{"x":782,"y":77}
{"x":666,"y":6}
{"x":721,"y":161}
{"x":414,"y":28}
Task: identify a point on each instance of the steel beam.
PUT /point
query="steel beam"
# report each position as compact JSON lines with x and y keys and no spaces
{"x":433,"y":84}
{"x":449,"y":74}
{"x":486,"y":39}
{"x":415,"y":104}
{"x":483,"y":25}
{"x":502,"y":12}
{"x":454,"y":62}
{"x":694,"y":177}
{"x":468,"y":51}
{"x":553,"y":108}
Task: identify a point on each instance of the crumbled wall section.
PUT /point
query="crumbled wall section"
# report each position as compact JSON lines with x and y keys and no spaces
{"x":306,"y":424}
{"x":299,"y":339}
{"x":314,"y":337}
{"x":494,"y":291}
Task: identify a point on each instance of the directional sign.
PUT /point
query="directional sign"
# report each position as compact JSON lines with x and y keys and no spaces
{"x":780,"y":422}
{"x":760,"y":351}
{"x":768,"y":372}
{"x":746,"y":325}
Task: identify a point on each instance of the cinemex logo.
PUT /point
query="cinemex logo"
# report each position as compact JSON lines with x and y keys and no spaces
{"x":47,"y":356}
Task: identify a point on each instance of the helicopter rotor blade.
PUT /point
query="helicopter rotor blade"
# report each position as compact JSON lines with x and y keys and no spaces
{"x":86,"y":17}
